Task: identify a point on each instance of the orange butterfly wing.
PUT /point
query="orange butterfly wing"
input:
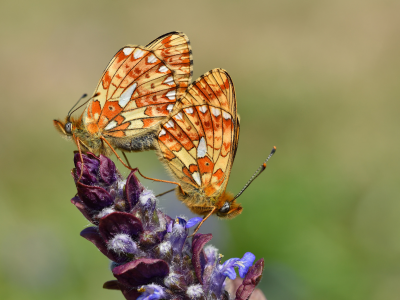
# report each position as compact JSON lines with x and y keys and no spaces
{"x":140,"y":86}
{"x":174,"y":50}
{"x":199,"y":141}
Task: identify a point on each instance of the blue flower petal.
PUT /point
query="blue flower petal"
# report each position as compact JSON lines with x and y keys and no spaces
{"x":193,"y":221}
{"x":230,"y":263}
{"x":230,"y":272}
{"x":154,"y":297}
{"x":169,"y":226}
{"x":245,"y":263}
{"x":178,"y":235}
{"x":228,"y":268}
{"x":152,"y":292}
{"x":180,"y":222}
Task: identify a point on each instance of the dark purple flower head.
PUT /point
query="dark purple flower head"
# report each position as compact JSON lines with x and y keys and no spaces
{"x":152,"y":257}
{"x":101,"y":189}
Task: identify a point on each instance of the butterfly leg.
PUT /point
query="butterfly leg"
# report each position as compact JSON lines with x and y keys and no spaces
{"x":136,"y":169}
{"x":204,"y":219}
{"x":162,"y":194}
{"x":78,"y":143}
{"x":116,"y":154}
{"x":160,"y":180}
{"x":127,"y":161}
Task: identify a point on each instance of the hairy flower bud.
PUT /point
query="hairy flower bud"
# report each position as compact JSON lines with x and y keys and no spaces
{"x":123,"y":244}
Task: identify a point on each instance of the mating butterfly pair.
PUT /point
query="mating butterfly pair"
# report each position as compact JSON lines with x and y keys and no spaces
{"x":144,"y":102}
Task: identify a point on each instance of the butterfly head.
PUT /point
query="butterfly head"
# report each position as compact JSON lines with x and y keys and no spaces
{"x":67,"y":127}
{"x":227,"y":207}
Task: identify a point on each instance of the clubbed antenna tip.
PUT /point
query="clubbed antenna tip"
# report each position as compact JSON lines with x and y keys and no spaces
{"x":273,"y":151}
{"x":257,"y":173}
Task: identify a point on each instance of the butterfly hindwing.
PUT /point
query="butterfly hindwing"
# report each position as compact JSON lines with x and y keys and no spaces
{"x":199,"y":141}
{"x":214,"y":87}
{"x":139,"y":87}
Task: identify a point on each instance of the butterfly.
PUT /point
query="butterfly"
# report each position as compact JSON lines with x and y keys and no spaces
{"x":137,"y":91}
{"x":198,"y":144}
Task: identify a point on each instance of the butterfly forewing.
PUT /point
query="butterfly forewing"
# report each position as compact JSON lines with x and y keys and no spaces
{"x":139,"y":88}
{"x":199,"y":141}
{"x":174,"y":49}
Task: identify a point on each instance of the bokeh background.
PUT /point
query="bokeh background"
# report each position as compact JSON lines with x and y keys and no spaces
{"x":317,"y":79}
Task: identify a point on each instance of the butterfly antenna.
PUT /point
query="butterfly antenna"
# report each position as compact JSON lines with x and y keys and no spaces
{"x":69,"y":113}
{"x":257,"y":173}
{"x":95,"y":95}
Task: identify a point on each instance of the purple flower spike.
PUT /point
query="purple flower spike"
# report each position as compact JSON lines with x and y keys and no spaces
{"x":232,"y":286}
{"x":198,"y":258}
{"x":90,"y":167}
{"x":245,"y":263}
{"x":176,"y":282}
{"x":112,"y":285}
{"x":193,"y":221}
{"x":95,"y":198}
{"x":152,"y":292}
{"x":178,"y":235}
{"x":148,"y":205}
{"x":129,"y":293}
{"x":212,"y":258}
{"x":123,"y":243}
{"x":195,"y":291}
{"x":118,"y":223}
{"x":170,"y":224}
{"x":251,"y":280}
{"x":149,"y":238}
{"x":92,"y":235}
{"x":228,"y":268}
{"x":141,"y":271}
{"x":107,"y":170}
{"x":133,"y":190}
{"x":211,"y":254}
{"x":152,"y":258}
{"x":82,"y":208}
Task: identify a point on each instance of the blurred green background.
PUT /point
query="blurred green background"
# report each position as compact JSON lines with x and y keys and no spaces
{"x":317,"y":79}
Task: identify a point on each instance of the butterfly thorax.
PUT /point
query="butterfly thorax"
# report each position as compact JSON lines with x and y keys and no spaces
{"x":202,"y":204}
{"x":89,"y":137}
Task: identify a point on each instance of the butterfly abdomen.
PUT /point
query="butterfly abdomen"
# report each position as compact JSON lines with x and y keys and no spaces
{"x":196,"y":200}
{"x":138,"y":143}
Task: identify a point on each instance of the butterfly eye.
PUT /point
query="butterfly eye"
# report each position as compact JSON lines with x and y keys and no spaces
{"x":68,"y":127}
{"x":225,"y":208}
